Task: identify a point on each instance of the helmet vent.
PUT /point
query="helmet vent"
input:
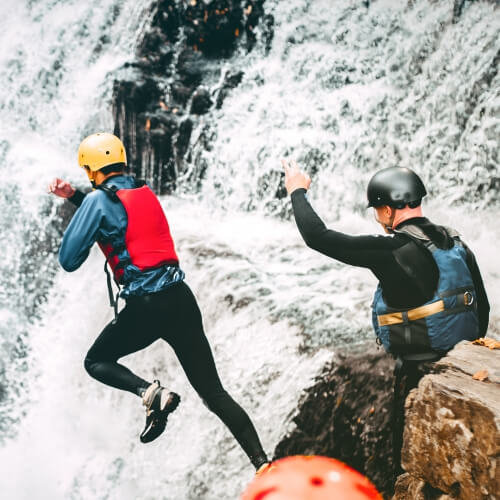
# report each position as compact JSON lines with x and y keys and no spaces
{"x":316,"y":481}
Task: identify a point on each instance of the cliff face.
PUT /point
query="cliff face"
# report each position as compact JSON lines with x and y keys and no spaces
{"x":347,"y":415}
{"x":452,"y":425}
{"x":177,"y":77}
{"x":451,"y":445}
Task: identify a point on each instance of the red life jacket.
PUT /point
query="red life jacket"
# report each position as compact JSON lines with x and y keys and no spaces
{"x":147,"y":238}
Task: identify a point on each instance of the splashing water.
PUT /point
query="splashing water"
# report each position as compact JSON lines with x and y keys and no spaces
{"x":345,"y":93}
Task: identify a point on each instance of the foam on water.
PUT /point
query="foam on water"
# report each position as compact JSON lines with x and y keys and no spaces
{"x":345,"y":93}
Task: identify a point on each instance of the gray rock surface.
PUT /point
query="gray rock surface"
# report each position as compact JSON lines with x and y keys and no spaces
{"x":452,"y":434}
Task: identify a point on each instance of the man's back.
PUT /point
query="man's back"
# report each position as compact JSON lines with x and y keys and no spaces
{"x":102,"y":219}
{"x":381,"y":254}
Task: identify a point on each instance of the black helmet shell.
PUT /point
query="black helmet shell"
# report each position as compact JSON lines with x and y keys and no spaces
{"x":396,"y":187}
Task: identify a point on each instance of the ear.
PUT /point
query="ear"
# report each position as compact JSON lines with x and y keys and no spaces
{"x":387,"y":211}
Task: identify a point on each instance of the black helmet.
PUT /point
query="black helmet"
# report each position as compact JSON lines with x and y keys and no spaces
{"x":396,"y":187}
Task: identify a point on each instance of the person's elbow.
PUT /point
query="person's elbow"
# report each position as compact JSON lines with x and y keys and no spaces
{"x":311,"y":240}
{"x":68,"y":264}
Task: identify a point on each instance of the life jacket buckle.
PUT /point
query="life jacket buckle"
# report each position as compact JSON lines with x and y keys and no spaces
{"x":468,"y":299}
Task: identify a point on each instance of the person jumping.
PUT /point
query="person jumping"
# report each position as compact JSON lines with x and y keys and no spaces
{"x":126,"y":220}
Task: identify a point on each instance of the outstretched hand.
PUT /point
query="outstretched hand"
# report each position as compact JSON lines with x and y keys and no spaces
{"x":294,"y":177}
{"x":61,"y":188}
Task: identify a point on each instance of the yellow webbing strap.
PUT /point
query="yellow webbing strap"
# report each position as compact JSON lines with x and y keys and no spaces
{"x":413,"y":314}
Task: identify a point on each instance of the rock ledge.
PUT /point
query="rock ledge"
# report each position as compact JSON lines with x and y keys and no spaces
{"x":451,"y":445}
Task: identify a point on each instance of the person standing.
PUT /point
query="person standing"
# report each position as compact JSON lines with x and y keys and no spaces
{"x":124,"y":217}
{"x":430,"y":294}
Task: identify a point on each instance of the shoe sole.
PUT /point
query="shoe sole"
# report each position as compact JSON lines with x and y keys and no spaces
{"x":160,"y":423}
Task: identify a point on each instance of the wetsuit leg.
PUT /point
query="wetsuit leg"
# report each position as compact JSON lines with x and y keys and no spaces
{"x":118,"y":339}
{"x":186,"y":336}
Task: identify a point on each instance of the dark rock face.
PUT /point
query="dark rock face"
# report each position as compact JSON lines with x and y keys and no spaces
{"x":201,"y":102}
{"x":179,"y":56}
{"x":347,"y":415}
{"x":231,"y":80}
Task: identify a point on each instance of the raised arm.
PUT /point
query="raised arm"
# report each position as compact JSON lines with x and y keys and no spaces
{"x":362,"y":251}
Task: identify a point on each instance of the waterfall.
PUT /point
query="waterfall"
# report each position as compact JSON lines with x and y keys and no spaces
{"x":346,"y":88}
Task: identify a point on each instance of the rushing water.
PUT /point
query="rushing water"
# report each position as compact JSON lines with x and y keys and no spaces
{"x":346,"y":89}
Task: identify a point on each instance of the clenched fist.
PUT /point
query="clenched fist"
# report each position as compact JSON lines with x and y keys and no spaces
{"x":294,"y":177}
{"x":61,"y":188}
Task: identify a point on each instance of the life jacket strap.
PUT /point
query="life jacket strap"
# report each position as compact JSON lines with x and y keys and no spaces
{"x":465,"y":299}
{"x":110,"y":191}
{"x":396,"y":318}
{"x":113,"y":300}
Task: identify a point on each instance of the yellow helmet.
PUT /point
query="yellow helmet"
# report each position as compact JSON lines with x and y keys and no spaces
{"x":101,"y":150}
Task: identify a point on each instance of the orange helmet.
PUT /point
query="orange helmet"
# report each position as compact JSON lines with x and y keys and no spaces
{"x":310,"y":478}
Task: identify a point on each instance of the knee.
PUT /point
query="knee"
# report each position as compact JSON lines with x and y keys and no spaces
{"x":88,"y":364}
{"x":91,"y":365}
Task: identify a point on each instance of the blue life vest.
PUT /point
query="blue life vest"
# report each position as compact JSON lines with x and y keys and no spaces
{"x":449,"y":317}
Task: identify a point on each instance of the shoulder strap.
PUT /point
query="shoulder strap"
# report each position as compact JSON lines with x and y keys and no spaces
{"x":110,"y":191}
{"x":418,"y":236}
{"x":113,"y":301}
{"x":413,"y":231}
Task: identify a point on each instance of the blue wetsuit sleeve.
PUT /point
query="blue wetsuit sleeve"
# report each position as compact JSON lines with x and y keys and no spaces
{"x":80,"y":234}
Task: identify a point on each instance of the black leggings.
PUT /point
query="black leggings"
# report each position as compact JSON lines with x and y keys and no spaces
{"x":174,"y":316}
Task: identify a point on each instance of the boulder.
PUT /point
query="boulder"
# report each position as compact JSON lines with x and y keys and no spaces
{"x":452,"y":432}
{"x":201,"y":102}
{"x":347,"y":414}
{"x":410,"y":488}
{"x":231,"y":81}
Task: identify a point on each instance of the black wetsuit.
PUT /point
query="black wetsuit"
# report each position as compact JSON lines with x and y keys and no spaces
{"x":400,"y":291}
{"x":172,"y":315}
{"x":377,"y":254}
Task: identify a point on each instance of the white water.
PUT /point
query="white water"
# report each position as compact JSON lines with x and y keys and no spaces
{"x":78,"y":439}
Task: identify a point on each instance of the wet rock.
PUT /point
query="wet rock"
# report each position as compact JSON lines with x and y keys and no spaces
{"x":181,"y":93}
{"x":185,"y":130}
{"x":453,"y":421}
{"x":168,"y":18}
{"x":201,"y":102}
{"x":165,"y":121}
{"x":268,"y":31}
{"x":231,"y":80}
{"x":347,"y":415}
{"x":215,"y":27}
{"x":153,"y":40}
{"x":190,"y":67}
{"x":136,"y":96}
{"x":178,"y":52}
{"x":410,"y":488}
